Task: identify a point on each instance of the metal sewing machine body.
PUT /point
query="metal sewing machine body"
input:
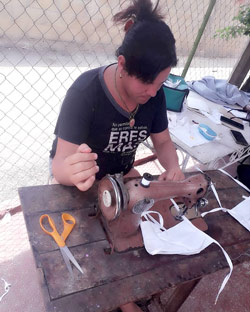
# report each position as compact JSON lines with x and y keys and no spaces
{"x":122,"y":201}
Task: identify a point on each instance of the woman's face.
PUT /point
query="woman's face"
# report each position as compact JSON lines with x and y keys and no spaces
{"x":141,"y":92}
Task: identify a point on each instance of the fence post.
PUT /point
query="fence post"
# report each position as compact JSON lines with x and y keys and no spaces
{"x":241,"y":68}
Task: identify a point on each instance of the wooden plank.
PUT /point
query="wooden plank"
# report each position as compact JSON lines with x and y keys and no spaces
{"x":56,"y":198}
{"x":100,"y":268}
{"x":109,"y":296}
{"x":229,"y":198}
{"x":221,"y":180}
{"x":177,"y":296}
{"x":226,"y":230}
{"x":87,"y":229}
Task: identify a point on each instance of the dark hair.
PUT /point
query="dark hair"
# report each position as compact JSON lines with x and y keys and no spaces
{"x":148,"y":45}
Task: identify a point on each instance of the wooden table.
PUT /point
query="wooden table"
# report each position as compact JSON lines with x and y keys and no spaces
{"x":111,"y":280}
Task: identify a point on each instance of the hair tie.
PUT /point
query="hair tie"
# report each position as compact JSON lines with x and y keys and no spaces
{"x":128,"y":25}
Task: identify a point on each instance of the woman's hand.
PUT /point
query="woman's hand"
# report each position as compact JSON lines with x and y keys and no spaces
{"x":74,"y":165}
{"x":81,"y":167}
{"x":174,"y":174}
{"x":167,"y":156}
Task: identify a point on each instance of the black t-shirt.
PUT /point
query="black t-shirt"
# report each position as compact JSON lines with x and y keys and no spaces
{"x":89,"y":114}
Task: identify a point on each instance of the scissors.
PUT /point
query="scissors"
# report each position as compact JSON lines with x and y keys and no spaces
{"x":68,"y":224}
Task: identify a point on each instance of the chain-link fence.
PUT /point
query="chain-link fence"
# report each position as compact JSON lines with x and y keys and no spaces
{"x":45,"y":45}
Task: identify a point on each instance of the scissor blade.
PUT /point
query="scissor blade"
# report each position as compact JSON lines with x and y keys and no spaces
{"x":66,"y":260}
{"x":71,"y":258}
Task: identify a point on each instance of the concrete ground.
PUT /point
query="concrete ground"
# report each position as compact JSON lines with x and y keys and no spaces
{"x":17,"y":267}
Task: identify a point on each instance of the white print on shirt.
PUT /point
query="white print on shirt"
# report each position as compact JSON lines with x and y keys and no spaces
{"x":123,"y":139}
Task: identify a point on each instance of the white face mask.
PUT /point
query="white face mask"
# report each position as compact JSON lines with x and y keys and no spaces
{"x":240,"y":212}
{"x":175,"y":240}
{"x":182,"y":239}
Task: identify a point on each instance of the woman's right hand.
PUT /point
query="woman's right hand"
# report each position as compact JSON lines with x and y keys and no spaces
{"x":82,"y":167}
{"x":75,"y":165}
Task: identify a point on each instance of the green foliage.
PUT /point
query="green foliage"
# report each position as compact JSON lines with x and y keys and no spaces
{"x":243,"y":27}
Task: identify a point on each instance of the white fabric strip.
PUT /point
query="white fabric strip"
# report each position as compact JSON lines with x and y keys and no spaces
{"x":228,"y":275}
{"x":215,"y":194}
{"x":223,"y":250}
{"x":213,"y":210}
{"x":237,"y":181}
{"x":175,"y":205}
{"x":218,"y":200}
{"x":230,"y":264}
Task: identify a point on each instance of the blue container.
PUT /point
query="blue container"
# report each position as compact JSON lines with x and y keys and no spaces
{"x":207,"y":132}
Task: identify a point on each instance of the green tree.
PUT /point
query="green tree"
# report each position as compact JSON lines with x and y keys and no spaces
{"x":242,"y":28}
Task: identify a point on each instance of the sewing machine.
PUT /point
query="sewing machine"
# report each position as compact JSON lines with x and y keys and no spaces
{"x":122,"y":201}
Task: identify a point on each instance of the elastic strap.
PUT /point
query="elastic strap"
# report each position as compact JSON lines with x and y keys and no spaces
{"x":237,"y":181}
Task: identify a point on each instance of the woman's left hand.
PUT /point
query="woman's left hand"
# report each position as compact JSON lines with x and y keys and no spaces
{"x":173,"y":174}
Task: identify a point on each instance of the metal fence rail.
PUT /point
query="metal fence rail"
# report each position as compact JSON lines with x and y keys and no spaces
{"x":45,"y":45}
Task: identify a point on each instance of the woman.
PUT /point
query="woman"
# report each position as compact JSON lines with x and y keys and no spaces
{"x":109,"y":111}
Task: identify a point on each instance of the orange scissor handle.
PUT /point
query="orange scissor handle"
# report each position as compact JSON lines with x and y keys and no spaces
{"x":68,"y":223}
{"x":59,"y":240}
